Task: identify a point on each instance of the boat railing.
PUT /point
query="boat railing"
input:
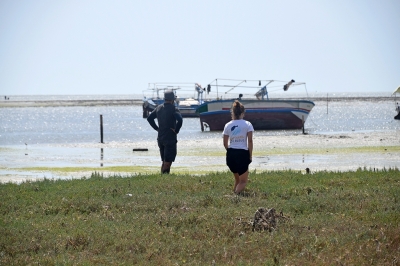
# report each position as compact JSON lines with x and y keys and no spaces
{"x":220,"y":89}
{"x":250,"y":88}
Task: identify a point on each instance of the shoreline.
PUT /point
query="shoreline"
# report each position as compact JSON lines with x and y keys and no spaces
{"x":56,"y":103}
{"x":318,"y":152}
{"x":128,"y":102}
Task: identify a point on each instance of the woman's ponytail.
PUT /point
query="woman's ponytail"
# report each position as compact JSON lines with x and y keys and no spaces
{"x":237,"y":109}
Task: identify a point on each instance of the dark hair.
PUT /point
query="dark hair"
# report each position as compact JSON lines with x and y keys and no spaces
{"x":237,"y":109}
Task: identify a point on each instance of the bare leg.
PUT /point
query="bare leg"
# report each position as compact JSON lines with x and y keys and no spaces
{"x":236,"y":175}
{"x":165,"y":168}
{"x":242,"y":182}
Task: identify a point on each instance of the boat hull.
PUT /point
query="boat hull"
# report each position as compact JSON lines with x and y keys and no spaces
{"x":263,"y":115}
{"x":186,"y":111}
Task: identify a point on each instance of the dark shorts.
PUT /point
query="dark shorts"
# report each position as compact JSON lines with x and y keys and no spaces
{"x":167,"y":150}
{"x":238,"y":160}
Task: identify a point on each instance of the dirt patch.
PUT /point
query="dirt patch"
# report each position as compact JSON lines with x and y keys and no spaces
{"x":267,"y":219}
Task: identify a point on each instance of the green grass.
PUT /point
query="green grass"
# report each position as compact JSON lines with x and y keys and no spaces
{"x":333,"y":150}
{"x":335,"y":218}
{"x":112,"y":170}
{"x":134,"y":169}
{"x":296,"y":150}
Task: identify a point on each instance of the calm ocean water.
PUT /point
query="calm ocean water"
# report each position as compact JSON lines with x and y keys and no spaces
{"x":81,"y":124}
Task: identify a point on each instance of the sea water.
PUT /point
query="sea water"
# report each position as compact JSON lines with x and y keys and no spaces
{"x":81,"y":124}
{"x":62,"y":136}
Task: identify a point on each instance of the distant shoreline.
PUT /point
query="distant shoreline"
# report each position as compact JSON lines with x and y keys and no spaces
{"x":135,"y":102}
{"x":55,"y":103}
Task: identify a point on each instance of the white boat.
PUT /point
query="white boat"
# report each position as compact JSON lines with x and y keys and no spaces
{"x":264,"y":113}
{"x":187,"y":106}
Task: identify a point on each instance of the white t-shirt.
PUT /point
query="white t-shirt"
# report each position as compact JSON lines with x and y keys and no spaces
{"x":237,"y":131}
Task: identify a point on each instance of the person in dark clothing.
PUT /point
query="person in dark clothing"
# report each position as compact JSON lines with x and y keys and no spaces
{"x":398,"y":112}
{"x":169,"y":123}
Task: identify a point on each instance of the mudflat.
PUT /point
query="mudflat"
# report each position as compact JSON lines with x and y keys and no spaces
{"x":318,"y":152}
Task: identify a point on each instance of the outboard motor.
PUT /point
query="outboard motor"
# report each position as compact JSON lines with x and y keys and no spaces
{"x":286,"y":86}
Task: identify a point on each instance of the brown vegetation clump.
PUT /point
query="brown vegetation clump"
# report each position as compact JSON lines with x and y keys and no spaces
{"x":266,"y":219}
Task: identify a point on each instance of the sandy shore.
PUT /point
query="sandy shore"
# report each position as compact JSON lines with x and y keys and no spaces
{"x":341,"y":152}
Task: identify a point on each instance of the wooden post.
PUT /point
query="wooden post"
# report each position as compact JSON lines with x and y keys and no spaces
{"x":101,"y":157}
{"x":101,"y":129}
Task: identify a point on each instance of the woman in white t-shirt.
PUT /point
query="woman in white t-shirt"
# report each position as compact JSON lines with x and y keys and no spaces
{"x":238,"y":142}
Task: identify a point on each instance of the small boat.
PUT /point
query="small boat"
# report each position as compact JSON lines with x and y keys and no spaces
{"x":262,"y":112}
{"x":187,"y":106}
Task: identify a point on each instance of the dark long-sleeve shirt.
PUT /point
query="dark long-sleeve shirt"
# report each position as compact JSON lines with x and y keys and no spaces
{"x":169,"y":121}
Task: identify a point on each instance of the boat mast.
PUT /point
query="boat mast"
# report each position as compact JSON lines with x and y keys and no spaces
{"x":216,"y":82}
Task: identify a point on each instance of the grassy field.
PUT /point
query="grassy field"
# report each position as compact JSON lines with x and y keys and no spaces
{"x":331,"y":218}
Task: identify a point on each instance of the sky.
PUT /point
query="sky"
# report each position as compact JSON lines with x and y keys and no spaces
{"x":73,"y":47}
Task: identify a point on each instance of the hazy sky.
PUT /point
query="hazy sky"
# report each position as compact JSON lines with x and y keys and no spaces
{"x":118,"y":47}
